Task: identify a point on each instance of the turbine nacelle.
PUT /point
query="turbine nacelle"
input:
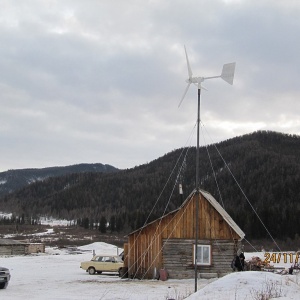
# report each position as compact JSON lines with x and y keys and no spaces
{"x":195,"y":80}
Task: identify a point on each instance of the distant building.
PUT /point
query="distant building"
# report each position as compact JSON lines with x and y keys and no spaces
{"x":13,"y":247}
{"x":36,"y":248}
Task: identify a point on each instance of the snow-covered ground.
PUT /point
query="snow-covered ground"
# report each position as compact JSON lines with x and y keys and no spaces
{"x":56,"y":275}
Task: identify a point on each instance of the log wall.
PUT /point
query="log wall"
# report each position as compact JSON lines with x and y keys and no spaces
{"x":178,"y":257}
{"x":14,"y":249}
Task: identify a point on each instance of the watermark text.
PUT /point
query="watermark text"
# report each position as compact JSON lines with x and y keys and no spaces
{"x":282,"y":257}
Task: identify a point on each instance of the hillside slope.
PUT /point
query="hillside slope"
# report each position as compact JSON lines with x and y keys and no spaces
{"x":266,"y":166}
{"x":13,"y":180}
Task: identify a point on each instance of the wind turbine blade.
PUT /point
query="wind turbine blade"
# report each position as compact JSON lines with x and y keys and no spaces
{"x":188,"y":65}
{"x":228,"y":72}
{"x":186,"y":89}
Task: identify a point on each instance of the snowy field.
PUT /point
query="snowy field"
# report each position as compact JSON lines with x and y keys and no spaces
{"x":56,"y":275}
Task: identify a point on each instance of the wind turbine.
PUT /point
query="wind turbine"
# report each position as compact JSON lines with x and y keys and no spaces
{"x":227,"y":75}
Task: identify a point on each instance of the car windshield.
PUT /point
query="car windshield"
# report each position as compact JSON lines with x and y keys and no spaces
{"x":118,"y":259}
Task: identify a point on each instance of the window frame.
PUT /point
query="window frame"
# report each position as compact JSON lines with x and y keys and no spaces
{"x":200,"y":259}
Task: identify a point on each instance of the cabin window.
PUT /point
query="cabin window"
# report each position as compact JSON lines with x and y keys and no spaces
{"x":203,"y":255}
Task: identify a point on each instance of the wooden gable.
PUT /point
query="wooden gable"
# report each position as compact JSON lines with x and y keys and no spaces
{"x":214,"y":222}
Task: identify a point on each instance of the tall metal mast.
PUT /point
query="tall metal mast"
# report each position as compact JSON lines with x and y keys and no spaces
{"x":197,"y":189}
{"x":227,"y":75}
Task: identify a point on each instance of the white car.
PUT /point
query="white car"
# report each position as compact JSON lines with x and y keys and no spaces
{"x":103,"y":263}
{"x":4,"y":277}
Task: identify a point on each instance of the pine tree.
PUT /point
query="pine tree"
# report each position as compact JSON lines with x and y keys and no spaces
{"x":103,"y":224}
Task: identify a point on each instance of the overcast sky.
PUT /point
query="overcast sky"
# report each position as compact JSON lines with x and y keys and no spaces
{"x":99,"y":81}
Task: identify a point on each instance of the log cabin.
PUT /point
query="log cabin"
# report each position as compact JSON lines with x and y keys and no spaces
{"x":168,"y":243}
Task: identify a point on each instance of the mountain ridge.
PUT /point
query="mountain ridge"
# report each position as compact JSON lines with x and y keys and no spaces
{"x":15,"y":179}
{"x":265,"y":164}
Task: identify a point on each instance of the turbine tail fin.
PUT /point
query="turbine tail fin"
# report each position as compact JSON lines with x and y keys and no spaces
{"x":228,"y":72}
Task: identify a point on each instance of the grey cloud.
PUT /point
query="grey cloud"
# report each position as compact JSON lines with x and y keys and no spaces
{"x":82,"y":80}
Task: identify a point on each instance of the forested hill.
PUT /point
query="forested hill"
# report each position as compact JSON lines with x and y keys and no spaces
{"x":266,"y":166}
{"x":13,"y":180}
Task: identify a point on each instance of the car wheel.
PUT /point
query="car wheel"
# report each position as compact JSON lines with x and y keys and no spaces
{"x":92,"y":271}
{"x":123,"y":272}
{"x":3,"y":285}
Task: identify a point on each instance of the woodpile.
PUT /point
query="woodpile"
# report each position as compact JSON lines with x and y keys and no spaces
{"x":256,"y":264}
